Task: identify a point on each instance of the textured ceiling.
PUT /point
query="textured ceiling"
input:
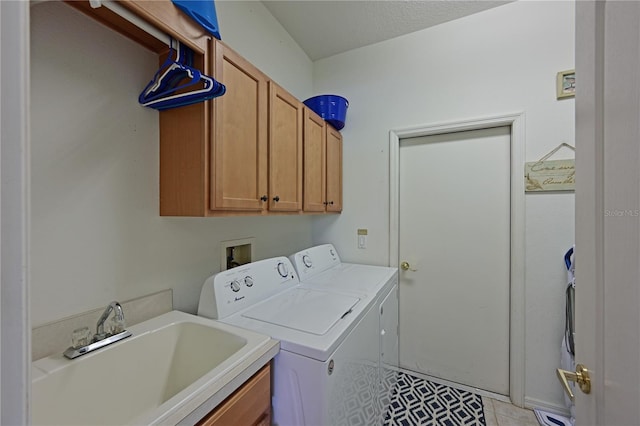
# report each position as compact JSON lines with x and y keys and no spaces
{"x":324,"y":28}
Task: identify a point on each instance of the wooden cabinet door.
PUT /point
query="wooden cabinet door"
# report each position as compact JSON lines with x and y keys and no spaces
{"x":285,"y":150}
{"x":334,"y":170}
{"x":315,"y":138}
{"x":248,"y":406}
{"x":239,"y":145}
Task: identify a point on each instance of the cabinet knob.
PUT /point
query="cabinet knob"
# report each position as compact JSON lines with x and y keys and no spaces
{"x":331,"y":202}
{"x":276,"y":198}
{"x":264,"y":198}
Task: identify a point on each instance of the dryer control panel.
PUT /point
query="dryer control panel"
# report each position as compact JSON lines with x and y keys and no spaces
{"x":232,"y":290}
{"x":315,"y":260}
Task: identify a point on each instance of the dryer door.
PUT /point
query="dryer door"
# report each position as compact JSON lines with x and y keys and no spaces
{"x":389,"y":359}
{"x":389,"y":329}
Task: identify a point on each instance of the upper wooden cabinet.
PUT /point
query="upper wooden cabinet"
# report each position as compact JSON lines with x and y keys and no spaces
{"x":285,"y":150}
{"x":254,"y":150}
{"x":322,"y":165}
{"x":239,"y":143}
{"x":334,"y":170}
{"x":315,"y":141}
{"x":257,"y":140}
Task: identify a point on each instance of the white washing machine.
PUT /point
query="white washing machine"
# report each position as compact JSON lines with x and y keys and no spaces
{"x":327,"y":370}
{"x":320,"y":267}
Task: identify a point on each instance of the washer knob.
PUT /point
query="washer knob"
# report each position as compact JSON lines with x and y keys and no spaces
{"x":282,"y":269}
{"x":248,"y":281}
{"x":235,"y":285}
{"x":307,"y":261}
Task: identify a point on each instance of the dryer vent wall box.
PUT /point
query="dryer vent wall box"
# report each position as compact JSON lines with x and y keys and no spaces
{"x":234,"y":253}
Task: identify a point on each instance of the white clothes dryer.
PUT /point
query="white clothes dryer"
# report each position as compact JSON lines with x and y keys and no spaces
{"x":320,"y":268}
{"x":326,"y":370}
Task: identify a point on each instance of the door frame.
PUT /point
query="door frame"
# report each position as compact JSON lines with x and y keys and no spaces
{"x":517,"y":306}
{"x":15,"y":327}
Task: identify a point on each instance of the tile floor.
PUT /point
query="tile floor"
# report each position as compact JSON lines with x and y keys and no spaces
{"x":498,"y":413}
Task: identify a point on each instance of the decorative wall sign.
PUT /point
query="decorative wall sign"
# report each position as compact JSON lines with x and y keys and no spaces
{"x":550,"y":175}
{"x":566,"y":84}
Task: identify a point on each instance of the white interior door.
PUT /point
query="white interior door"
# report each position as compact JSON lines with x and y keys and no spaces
{"x":608,"y":211}
{"x":454,"y":233}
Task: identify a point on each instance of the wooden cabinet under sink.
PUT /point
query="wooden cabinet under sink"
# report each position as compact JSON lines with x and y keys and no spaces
{"x":250,"y":405}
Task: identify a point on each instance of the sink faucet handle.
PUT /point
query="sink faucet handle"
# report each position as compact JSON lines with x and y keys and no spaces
{"x":118,"y":314}
{"x":117,"y":324}
{"x":80,"y":337}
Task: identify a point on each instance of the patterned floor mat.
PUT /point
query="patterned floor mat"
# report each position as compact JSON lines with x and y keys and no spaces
{"x":417,"y":401}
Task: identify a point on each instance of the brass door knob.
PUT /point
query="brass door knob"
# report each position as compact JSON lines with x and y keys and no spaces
{"x":581,"y":377}
{"x":406,"y":267}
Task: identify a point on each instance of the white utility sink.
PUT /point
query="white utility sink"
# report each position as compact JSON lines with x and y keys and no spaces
{"x":168,"y":368}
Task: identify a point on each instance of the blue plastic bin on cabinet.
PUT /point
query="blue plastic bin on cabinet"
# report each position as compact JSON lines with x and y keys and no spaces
{"x":332,"y":108}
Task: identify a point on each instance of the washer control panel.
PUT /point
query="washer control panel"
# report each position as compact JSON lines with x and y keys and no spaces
{"x":230,"y":291}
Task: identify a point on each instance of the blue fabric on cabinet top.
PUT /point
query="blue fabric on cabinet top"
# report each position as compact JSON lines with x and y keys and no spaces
{"x":203,"y":12}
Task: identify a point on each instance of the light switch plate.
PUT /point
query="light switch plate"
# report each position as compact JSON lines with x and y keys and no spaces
{"x":362,"y":238}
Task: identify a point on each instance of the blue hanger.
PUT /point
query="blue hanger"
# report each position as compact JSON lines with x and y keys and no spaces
{"x":177,"y":75}
{"x":171,"y":72}
{"x":211,"y":90}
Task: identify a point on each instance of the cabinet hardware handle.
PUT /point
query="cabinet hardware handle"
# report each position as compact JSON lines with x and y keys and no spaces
{"x":264,"y":198}
{"x":325,"y":203}
{"x":331,"y":202}
{"x":276,"y":198}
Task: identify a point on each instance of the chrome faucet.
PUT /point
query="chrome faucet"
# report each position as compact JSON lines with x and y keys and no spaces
{"x":101,"y":338}
{"x":118,"y":317}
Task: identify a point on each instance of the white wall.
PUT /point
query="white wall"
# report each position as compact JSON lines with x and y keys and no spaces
{"x":503,"y":60}
{"x":250,"y":29}
{"x":96,"y":232}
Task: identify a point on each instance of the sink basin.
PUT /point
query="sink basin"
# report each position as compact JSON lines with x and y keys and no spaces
{"x":148,"y":378}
